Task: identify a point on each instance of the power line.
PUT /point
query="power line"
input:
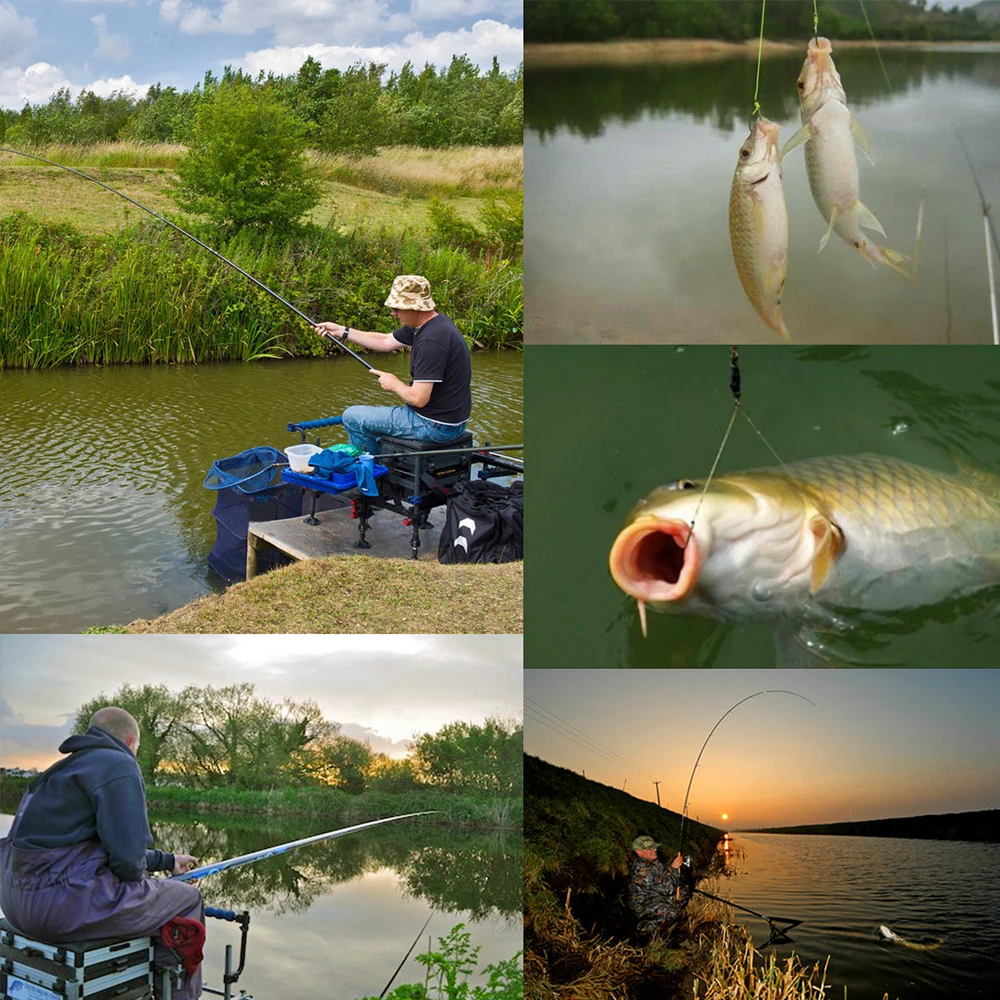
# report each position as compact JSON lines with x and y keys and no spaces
{"x":576,"y":735}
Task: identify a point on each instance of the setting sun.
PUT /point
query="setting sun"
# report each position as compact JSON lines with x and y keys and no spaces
{"x":725,"y":815}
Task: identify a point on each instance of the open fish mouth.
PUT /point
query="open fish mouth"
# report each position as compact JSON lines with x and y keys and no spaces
{"x":655,"y":560}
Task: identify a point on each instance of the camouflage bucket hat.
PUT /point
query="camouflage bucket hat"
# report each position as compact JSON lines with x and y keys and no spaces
{"x":411,"y":291}
{"x":644,"y":844}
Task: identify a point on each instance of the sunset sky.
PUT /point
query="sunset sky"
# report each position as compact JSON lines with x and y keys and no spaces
{"x":381,"y":688}
{"x":878,"y":743}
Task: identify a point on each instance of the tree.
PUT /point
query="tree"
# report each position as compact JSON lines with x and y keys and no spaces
{"x":464,"y":757}
{"x":160,"y":715}
{"x":247,"y":165}
{"x":355,"y":118}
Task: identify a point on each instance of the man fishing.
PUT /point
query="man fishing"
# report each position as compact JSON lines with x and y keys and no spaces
{"x":75,"y":864}
{"x":438,"y":399}
{"x":657,"y":895}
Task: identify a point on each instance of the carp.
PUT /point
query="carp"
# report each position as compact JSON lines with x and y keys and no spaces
{"x":830,"y":132}
{"x":758,"y":223}
{"x":811,"y":539}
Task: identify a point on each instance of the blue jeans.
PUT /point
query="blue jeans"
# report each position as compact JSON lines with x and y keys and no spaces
{"x":365,"y":425}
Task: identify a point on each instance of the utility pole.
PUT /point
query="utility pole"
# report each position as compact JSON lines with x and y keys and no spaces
{"x":657,"y":792}
{"x":624,"y":783}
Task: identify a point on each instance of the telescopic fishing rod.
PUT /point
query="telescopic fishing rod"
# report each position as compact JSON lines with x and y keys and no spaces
{"x":270,"y":852}
{"x":756,"y":694}
{"x":184,"y":232}
{"x":779,"y":935}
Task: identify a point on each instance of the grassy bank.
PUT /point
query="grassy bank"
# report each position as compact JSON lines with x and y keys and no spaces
{"x":329,"y":803}
{"x":345,"y":594}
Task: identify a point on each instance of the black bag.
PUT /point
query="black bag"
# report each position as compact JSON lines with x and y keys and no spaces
{"x":484,"y":523}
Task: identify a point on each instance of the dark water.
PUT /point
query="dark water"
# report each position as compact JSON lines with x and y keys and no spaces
{"x":616,"y":422}
{"x":333,"y":920}
{"x":842,"y":888}
{"x":628,"y":173}
{"x":103,"y":517}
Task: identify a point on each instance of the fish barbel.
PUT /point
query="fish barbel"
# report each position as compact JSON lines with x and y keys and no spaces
{"x":864,"y":532}
{"x":831,"y":131}
{"x":758,"y":223}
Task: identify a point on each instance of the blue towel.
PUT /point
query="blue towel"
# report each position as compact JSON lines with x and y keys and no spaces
{"x":330,"y":463}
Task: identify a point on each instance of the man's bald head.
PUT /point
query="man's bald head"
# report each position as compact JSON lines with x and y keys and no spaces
{"x":119,"y":724}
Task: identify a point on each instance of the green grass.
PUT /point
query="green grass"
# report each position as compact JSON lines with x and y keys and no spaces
{"x":147,"y":294}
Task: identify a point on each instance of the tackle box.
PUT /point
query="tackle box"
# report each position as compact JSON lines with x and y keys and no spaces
{"x":436,"y":471}
{"x":108,"y":969}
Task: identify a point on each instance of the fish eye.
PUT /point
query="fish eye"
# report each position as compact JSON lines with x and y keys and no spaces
{"x":744,"y":153}
{"x":680,"y":484}
{"x":800,"y":84}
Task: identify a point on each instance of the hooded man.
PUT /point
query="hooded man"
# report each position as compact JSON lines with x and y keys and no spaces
{"x":75,"y":864}
{"x":657,"y":895}
{"x":438,"y":398}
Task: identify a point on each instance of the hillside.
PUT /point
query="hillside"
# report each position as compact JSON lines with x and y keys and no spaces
{"x":981,"y":826}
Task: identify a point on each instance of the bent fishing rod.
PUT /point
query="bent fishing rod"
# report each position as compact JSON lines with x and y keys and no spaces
{"x":756,"y":694}
{"x":779,"y":935}
{"x":184,"y":232}
{"x":271,"y":852}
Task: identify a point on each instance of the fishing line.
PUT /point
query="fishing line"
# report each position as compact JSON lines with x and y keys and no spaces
{"x":183,"y":232}
{"x":760,"y":50}
{"x":875,"y":43}
{"x":406,"y":956}
{"x":756,"y":694}
{"x":815,"y":21}
{"x":708,"y":482}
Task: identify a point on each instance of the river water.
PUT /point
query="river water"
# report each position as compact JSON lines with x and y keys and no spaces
{"x":656,"y":414}
{"x":331,"y":921}
{"x":628,"y":173}
{"x":103,"y":517}
{"x":842,"y":888}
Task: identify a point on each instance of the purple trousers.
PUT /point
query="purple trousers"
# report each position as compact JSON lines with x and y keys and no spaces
{"x":69,"y":894}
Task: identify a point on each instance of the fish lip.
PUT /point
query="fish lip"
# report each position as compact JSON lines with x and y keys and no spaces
{"x":656,"y":560}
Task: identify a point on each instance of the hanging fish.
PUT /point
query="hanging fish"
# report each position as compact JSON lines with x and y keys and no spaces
{"x":832,"y":131}
{"x":811,"y":539}
{"x":758,"y":223}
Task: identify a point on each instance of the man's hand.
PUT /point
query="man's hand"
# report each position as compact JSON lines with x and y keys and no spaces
{"x":389,"y":382}
{"x":330,"y":330}
{"x":678,"y":861}
{"x":183,"y":863}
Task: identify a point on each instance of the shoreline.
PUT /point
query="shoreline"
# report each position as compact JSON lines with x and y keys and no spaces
{"x":548,"y":55}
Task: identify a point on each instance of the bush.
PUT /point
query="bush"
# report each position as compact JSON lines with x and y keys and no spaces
{"x":247,"y":164}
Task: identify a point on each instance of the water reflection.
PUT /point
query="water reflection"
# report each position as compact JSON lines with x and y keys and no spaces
{"x":476,"y":873}
{"x":584,"y":100}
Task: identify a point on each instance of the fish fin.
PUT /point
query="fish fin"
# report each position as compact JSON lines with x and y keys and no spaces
{"x":896,"y":260}
{"x":829,"y":541}
{"x":867,"y":218}
{"x":988,"y":482}
{"x":798,"y":648}
{"x":826,"y":236}
{"x":642,"y":618}
{"x":861,"y":140}
{"x":803,"y":135}
{"x":920,"y":233}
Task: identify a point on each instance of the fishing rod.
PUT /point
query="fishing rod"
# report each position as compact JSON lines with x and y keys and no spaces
{"x":756,"y":694}
{"x":184,"y":232}
{"x":406,"y":956}
{"x":779,"y":935}
{"x":271,"y":852}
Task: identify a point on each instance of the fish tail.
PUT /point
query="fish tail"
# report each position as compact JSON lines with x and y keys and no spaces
{"x":878,"y":254}
{"x":779,"y":325}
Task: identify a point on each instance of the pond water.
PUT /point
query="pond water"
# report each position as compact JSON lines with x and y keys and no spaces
{"x":628,"y":170}
{"x":331,"y":921}
{"x":842,"y":888}
{"x":657,"y":414}
{"x":103,"y":515}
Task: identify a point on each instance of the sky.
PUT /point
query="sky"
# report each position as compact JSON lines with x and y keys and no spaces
{"x":877,"y":743}
{"x":108,"y":45}
{"x":385,"y":689}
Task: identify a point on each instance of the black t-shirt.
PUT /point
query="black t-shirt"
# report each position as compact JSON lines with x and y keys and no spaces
{"x":440,"y":355}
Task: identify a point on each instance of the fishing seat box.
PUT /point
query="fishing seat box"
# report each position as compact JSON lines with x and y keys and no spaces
{"x":438,"y":472}
{"x":108,"y":969}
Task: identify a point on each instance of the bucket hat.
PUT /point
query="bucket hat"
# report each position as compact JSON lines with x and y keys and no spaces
{"x":411,"y":291}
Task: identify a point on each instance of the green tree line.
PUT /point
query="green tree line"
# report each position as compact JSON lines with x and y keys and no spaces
{"x":231,"y":737}
{"x":350,"y":111}
{"x":602,"y":20}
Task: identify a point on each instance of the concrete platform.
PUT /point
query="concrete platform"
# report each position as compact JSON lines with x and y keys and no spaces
{"x":338,"y":534}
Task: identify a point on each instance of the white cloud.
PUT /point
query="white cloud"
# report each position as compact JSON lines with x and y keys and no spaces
{"x":110,"y":45}
{"x":104,"y":88}
{"x":292,"y":21}
{"x":481,"y":42}
{"x":431,"y":10}
{"x":17,"y":34}
{"x":34,"y":85}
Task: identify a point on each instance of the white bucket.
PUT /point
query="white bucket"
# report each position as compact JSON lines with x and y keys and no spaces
{"x":299,"y":455}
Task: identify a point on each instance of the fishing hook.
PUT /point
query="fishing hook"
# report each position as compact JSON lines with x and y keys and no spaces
{"x":712,"y":733}
{"x":184,"y":232}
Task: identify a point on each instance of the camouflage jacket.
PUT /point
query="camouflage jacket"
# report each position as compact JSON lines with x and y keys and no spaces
{"x":652,"y":890}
